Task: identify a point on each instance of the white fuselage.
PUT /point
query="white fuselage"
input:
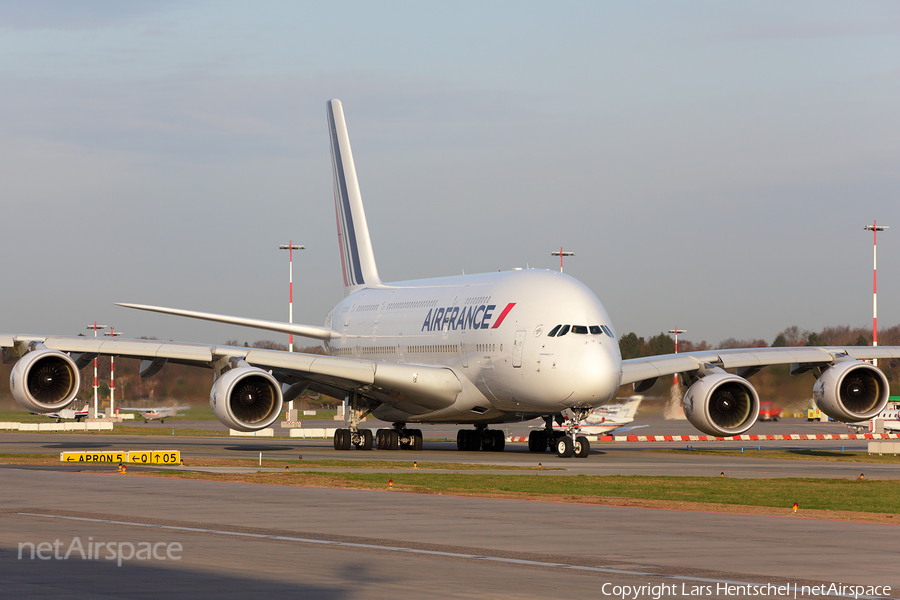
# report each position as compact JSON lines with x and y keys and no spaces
{"x":492,"y":330}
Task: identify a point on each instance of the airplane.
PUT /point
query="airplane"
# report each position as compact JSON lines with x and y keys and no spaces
{"x":613,"y":417}
{"x":68,"y":414}
{"x":152,"y":414}
{"x":890,"y":421}
{"x":474,"y":350}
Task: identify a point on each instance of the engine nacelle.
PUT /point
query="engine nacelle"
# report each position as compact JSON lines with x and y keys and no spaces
{"x":851,"y":391}
{"x":721,"y":404}
{"x":246,"y":399}
{"x":44,"y":380}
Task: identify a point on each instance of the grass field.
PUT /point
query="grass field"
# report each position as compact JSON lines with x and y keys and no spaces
{"x":857,"y":456}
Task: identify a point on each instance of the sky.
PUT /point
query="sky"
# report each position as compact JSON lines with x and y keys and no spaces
{"x":711,"y":164}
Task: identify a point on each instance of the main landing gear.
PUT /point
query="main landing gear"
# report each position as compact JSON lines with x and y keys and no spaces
{"x":353,"y":436}
{"x":398,"y":438}
{"x":480,"y":438}
{"x":566,"y":443}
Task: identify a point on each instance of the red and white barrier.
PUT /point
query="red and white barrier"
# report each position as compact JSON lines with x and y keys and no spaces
{"x":736,"y":438}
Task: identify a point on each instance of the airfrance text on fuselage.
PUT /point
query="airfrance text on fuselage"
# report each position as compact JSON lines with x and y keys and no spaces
{"x":464,"y":317}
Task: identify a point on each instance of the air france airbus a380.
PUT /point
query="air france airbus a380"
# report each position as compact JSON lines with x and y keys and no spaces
{"x":475,"y":350}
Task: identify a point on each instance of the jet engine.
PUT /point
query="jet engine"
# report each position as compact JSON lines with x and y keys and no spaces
{"x":721,"y":404}
{"x":246,"y":398}
{"x":44,"y":380}
{"x":851,"y":391}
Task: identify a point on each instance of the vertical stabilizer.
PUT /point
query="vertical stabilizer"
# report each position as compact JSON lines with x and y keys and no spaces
{"x":357,"y":259}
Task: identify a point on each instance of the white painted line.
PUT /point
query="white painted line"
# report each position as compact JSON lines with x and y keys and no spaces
{"x":499,"y":559}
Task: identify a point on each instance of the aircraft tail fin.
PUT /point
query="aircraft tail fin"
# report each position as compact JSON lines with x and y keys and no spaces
{"x":357,"y":258}
{"x":632,"y":405}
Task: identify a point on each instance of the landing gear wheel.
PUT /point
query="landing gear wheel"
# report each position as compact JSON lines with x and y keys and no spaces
{"x":341,"y":439}
{"x":468,"y":440}
{"x":365,"y":439}
{"x":416,"y":435}
{"x":582,"y":447}
{"x":499,"y":440}
{"x":565,"y":448}
{"x":487,"y":440}
{"x":537,"y":441}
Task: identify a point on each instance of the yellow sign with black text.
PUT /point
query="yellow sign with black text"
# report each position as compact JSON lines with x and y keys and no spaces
{"x":93,"y":457}
{"x":155,"y":457}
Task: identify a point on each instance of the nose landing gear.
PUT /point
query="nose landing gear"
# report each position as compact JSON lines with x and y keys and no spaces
{"x":566,"y":443}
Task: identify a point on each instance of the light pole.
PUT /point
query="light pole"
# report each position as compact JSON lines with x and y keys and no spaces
{"x":560,"y":254}
{"x":676,"y":331}
{"x":112,"y":375}
{"x":290,"y":247}
{"x":875,"y":228}
{"x":95,"y":327}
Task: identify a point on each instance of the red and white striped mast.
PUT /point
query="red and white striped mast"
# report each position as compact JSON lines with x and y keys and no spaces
{"x":676,"y":331}
{"x":875,"y":228}
{"x":561,"y":254}
{"x":95,"y":327}
{"x":112,"y":376}
{"x":290,"y":247}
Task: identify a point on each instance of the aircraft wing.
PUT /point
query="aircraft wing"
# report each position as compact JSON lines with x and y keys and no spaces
{"x":648,"y":369}
{"x":414,"y":388}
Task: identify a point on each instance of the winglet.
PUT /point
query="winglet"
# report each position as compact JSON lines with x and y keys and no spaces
{"x":357,"y":258}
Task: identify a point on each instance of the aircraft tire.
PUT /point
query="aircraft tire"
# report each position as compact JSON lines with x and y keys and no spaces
{"x":392,"y":440}
{"x":342,"y":439}
{"x":565,"y":448}
{"x":537,"y":441}
{"x":487,"y":440}
{"x":366,"y":439}
{"x":417,"y":439}
{"x":499,"y":441}
{"x":582,"y":447}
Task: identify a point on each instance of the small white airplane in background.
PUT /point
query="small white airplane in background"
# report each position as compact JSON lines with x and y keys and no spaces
{"x":605,"y":419}
{"x":156,"y":413}
{"x":890,"y":420}
{"x":68,"y":414}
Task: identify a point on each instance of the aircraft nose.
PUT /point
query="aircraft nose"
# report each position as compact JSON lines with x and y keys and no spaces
{"x":596,"y":375}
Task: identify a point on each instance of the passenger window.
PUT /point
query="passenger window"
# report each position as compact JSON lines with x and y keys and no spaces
{"x":579,"y":329}
{"x":553,"y":331}
{"x":595,"y":329}
{"x":563,"y":331}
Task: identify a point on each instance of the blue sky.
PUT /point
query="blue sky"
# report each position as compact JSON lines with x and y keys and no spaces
{"x":711,"y":164}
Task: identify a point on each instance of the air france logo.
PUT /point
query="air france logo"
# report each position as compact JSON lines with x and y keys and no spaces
{"x":465,"y":317}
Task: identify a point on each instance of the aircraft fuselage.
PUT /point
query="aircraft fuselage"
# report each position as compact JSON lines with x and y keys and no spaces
{"x":492,"y":330}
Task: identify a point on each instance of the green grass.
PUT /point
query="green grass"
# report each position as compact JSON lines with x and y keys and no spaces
{"x":825,"y":494}
{"x":855,"y":456}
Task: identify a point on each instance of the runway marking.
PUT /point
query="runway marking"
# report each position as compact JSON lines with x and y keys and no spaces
{"x":485,"y":557}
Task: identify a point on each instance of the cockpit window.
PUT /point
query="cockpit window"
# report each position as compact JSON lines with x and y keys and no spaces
{"x":553,"y":331}
{"x":595,"y":329}
{"x":609,"y":332}
{"x":579,"y":329}
{"x":563,"y":331}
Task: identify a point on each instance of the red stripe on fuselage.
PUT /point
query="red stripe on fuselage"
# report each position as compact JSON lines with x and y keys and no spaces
{"x":503,"y":315}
